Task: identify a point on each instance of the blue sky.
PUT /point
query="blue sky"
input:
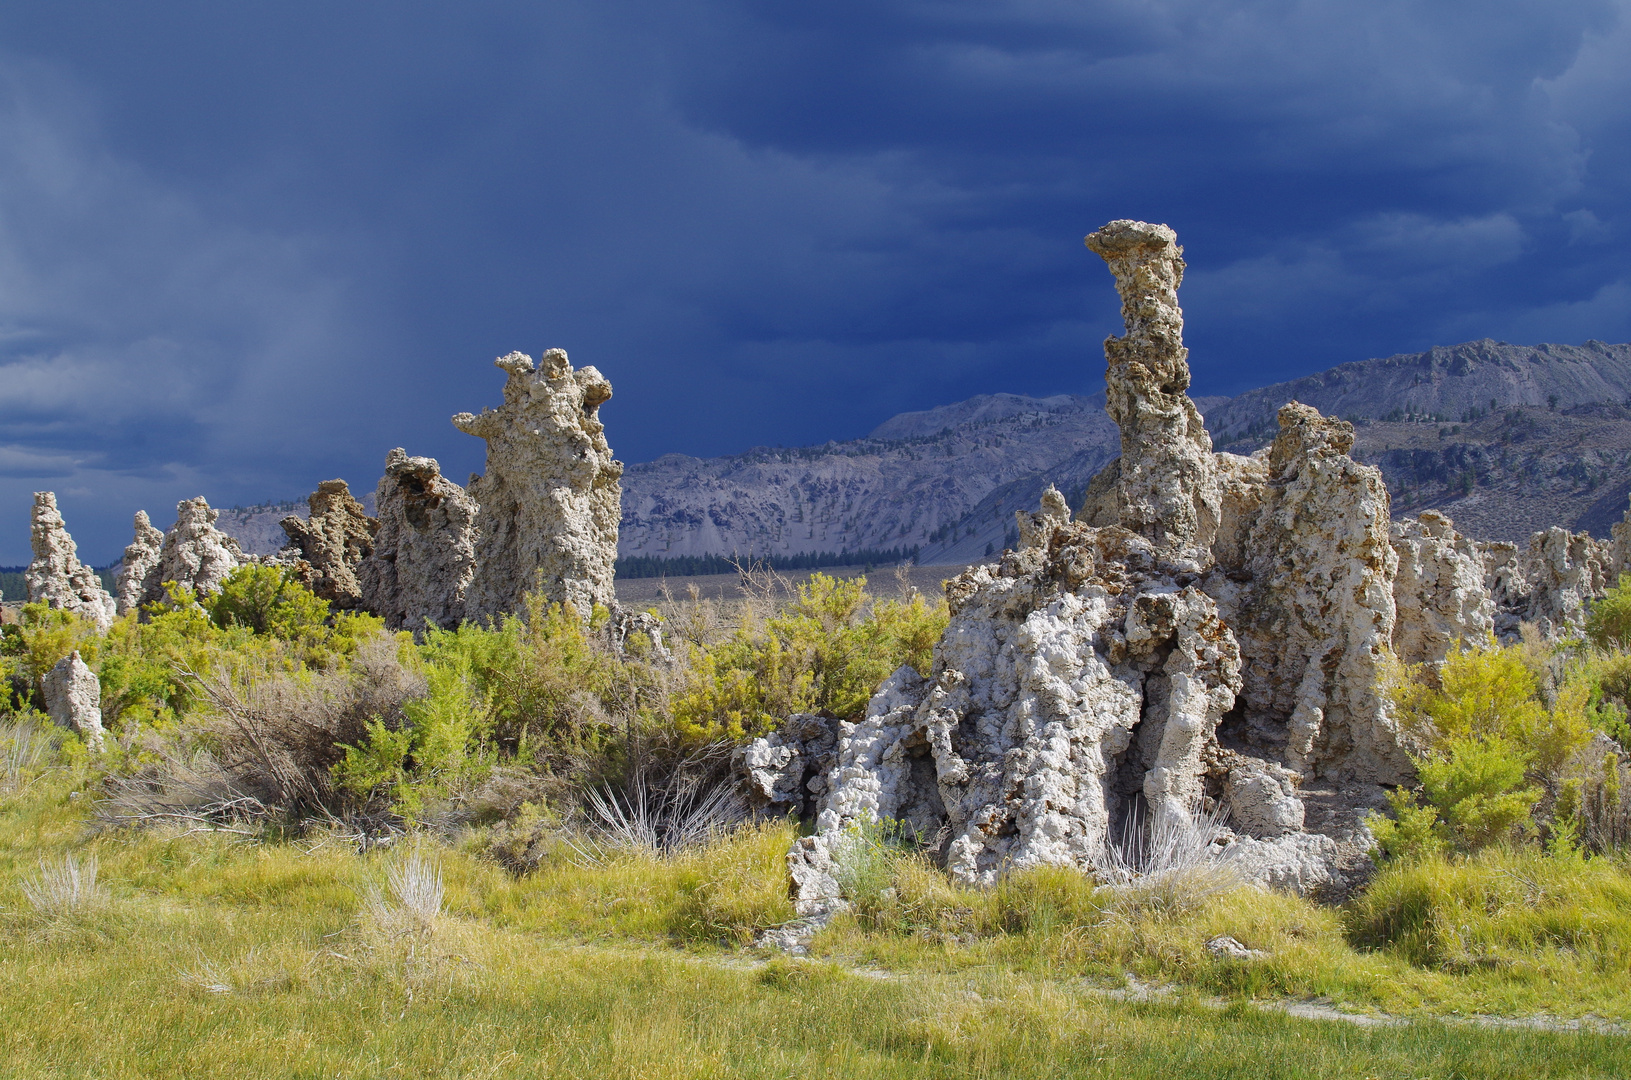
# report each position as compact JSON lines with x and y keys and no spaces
{"x":245,"y":248}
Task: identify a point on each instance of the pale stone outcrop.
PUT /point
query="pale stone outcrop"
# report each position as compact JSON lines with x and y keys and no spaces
{"x":332,"y":543}
{"x":142,"y":555}
{"x":1549,"y":582}
{"x":1261,"y":796}
{"x":786,"y":772}
{"x":1168,"y":489}
{"x":73,"y":698}
{"x":1312,"y":602}
{"x":1439,"y":590}
{"x":424,"y":550}
{"x":195,"y":554}
{"x":1619,"y":549}
{"x":1214,"y":635}
{"x":550,"y":498}
{"x":56,"y":576}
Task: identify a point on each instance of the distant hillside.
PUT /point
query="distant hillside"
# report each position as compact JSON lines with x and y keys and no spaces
{"x":1554,"y":449}
{"x":1505,"y":438}
{"x":1455,"y":383}
{"x":942,"y":480}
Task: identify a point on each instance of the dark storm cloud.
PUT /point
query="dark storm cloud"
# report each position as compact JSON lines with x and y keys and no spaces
{"x":243,"y":249}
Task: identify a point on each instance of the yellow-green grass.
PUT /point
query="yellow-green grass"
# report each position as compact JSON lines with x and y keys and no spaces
{"x":221,"y":958}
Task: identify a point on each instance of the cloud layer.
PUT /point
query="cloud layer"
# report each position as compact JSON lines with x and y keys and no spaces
{"x":243,"y":250}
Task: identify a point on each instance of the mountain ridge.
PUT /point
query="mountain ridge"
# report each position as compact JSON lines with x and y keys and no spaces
{"x":1500,"y":436}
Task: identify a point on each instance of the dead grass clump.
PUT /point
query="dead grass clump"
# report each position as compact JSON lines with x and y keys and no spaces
{"x":1171,"y":867}
{"x":265,"y":749}
{"x":24,"y":748}
{"x":66,"y":890}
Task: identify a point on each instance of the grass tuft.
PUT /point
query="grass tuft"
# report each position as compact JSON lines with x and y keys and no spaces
{"x":65,"y":890}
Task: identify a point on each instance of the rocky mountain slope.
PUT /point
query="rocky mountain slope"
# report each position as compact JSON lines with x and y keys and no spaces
{"x":1504,"y":438}
{"x":1556,"y":449}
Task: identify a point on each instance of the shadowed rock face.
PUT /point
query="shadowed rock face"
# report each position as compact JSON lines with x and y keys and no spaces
{"x":549,"y":499}
{"x":1214,"y":636}
{"x":142,"y":555}
{"x":56,"y":576}
{"x":424,"y":548}
{"x":195,"y":554}
{"x":332,"y":543}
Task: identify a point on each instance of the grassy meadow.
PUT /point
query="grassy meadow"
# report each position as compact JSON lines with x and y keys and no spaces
{"x":308,"y":848}
{"x":211,"y":954}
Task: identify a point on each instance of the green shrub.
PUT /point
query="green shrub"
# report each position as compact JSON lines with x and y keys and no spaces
{"x":43,"y":637}
{"x":1412,"y":832}
{"x":1477,"y":788}
{"x":1491,"y":749}
{"x":272,"y":602}
{"x":826,"y":652}
{"x":1608,"y":623}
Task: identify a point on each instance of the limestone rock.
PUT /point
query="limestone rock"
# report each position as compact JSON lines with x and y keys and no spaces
{"x":1262,"y":798}
{"x":1101,"y":502}
{"x":1228,"y":948}
{"x":73,"y":697}
{"x":1168,"y":491}
{"x":424,"y":550}
{"x":786,"y":771}
{"x":1313,"y":606}
{"x":142,"y":555}
{"x":1549,"y":583}
{"x":1214,"y":636}
{"x":1305,"y":863}
{"x":1074,"y":682}
{"x":1439,"y":591}
{"x":195,"y":554}
{"x":550,"y":498}
{"x":56,"y":576}
{"x":1619,"y":549}
{"x":627,"y":621}
{"x":332,"y":542}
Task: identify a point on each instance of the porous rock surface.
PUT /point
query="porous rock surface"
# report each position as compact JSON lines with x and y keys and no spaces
{"x":1213,"y":635}
{"x":549,"y":498}
{"x":786,"y":771}
{"x":424,"y":549}
{"x":332,"y":543}
{"x":195,"y":554}
{"x":1619,"y":549}
{"x":1549,"y":582}
{"x":56,"y":576}
{"x":1439,"y":589}
{"x":73,"y":698}
{"x":142,"y":555}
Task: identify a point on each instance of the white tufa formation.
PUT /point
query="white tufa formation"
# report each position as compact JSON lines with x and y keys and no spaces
{"x":1213,"y":636}
{"x":195,"y":554}
{"x":1168,"y":486}
{"x":550,"y":497}
{"x":73,"y":698}
{"x":56,"y":576}
{"x":1439,"y":590}
{"x":424,"y":550}
{"x":142,"y":557}
{"x":331,"y":544}
{"x":1619,"y":549}
{"x":1550,"y":582}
